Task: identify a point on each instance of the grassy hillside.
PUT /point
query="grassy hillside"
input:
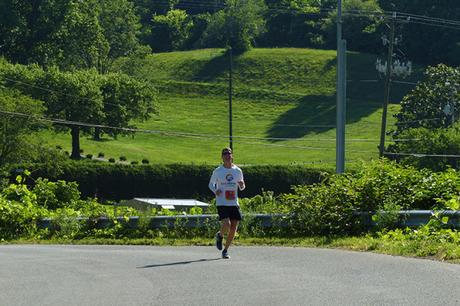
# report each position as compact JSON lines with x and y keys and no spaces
{"x":278,"y":94}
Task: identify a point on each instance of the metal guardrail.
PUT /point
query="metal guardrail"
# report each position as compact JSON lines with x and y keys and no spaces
{"x":406,"y":218}
{"x":413,"y":218}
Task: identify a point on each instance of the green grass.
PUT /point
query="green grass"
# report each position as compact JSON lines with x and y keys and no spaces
{"x":260,"y":120}
{"x":279,"y":93}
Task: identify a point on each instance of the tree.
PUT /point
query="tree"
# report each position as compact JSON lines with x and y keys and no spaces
{"x":427,"y":122}
{"x":68,"y":96}
{"x":295,"y":23}
{"x":65,"y":33}
{"x":24,"y":25}
{"x":121,"y":28}
{"x":237,"y":25}
{"x":83,"y":98}
{"x":145,"y":9}
{"x":75,"y":97}
{"x":427,"y":105}
{"x":15,"y":129}
{"x":360,"y":31}
{"x":424,"y":43}
{"x":171,"y":31}
{"x":79,"y":42}
{"x":125,"y":99}
{"x":70,"y":34}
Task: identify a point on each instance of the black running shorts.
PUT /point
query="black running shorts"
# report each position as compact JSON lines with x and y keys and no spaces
{"x":230,"y":212}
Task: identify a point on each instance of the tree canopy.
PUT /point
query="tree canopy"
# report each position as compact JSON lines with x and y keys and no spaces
{"x":237,"y":25}
{"x":83,"y":98}
{"x":70,"y":34}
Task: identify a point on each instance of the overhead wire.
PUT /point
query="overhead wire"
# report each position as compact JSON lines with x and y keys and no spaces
{"x":422,"y":155}
{"x":55,"y":91}
{"x":173,"y":133}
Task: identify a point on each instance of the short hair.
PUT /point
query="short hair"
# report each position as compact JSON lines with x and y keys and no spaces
{"x":226,"y":150}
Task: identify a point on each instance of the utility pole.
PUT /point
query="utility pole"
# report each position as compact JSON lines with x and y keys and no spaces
{"x":341,"y":94}
{"x":388,"y":76}
{"x":230,"y":92}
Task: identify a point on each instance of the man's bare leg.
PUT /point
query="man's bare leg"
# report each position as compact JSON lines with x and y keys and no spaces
{"x":225,"y":227}
{"x":231,"y":233}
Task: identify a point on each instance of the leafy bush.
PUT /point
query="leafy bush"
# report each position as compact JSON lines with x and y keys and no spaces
{"x":54,"y":195}
{"x":123,"y":158}
{"x":429,"y":141}
{"x":381,"y":185}
{"x":89,"y":156}
{"x":100,"y":154}
{"x":145,"y":161}
{"x":111,"y":160}
{"x":134,"y":162}
{"x":19,"y":211}
{"x":322,"y":209}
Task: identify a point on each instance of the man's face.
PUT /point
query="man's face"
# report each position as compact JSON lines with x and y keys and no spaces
{"x":227,"y":157}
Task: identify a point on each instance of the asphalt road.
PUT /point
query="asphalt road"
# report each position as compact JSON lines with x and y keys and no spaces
{"x":146,"y":275}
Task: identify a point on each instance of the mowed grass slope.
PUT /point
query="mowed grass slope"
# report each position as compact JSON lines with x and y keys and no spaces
{"x":283,"y":108}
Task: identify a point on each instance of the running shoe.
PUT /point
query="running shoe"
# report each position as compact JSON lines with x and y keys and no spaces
{"x":225,"y":254}
{"x":219,"y":241}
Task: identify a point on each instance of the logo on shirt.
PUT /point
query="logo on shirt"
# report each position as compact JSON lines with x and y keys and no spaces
{"x":229,"y":177}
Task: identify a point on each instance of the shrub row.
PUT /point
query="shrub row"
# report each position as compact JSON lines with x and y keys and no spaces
{"x":116,"y":181}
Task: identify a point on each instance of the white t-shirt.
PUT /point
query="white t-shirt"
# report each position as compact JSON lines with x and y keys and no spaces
{"x":226,"y":179}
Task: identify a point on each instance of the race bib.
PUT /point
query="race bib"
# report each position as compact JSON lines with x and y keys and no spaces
{"x":230,"y":194}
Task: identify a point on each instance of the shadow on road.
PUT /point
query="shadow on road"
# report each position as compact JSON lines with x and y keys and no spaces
{"x":179,"y":263}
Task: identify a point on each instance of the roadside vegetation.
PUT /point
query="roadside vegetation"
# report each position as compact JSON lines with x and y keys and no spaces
{"x":313,"y":215}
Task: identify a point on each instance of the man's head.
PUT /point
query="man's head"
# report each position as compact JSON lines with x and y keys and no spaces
{"x":227,"y":155}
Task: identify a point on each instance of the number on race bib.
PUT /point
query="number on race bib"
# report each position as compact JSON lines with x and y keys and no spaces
{"x":230,"y":194}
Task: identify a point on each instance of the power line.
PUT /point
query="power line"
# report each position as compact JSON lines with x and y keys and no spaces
{"x":422,"y":155}
{"x":419,"y":120}
{"x":172,"y":133}
{"x":56,"y":92}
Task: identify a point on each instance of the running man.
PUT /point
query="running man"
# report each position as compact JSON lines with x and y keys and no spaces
{"x":225,"y":182}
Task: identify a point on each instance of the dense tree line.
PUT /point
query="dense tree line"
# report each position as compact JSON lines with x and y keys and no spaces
{"x":76,"y":34}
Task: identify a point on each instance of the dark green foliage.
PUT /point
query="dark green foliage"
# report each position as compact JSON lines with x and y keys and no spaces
{"x":420,"y":141}
{"x":235,"y":26}
{"x":424,"y":43}
{"x":145,"y":161}
{"x":89,"y":156}
{"x":69,"y":34}
{"x":171,"y":31}
{"x":424,"y":106}
{"x":361,"y":32}
{"x":123,"y":158}
{"x":382,"y":185}
{"x":15,"y":131}
{"x":428,"y":121}
{"x":116,"y":182}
